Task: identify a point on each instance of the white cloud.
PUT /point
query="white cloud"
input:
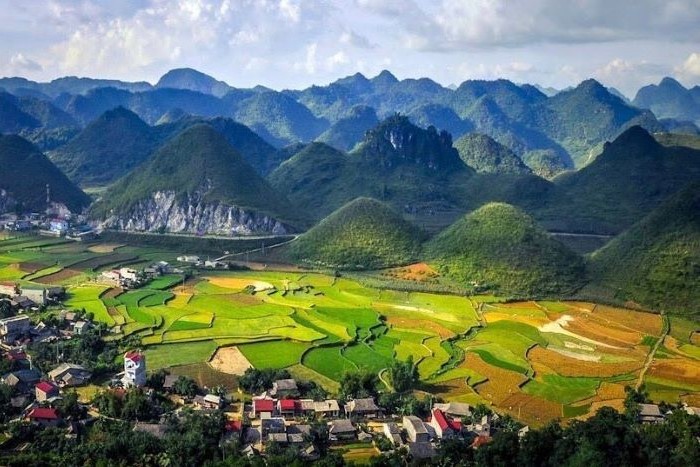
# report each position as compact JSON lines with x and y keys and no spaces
{"x":356,"y":40}
{"x":20,"y":63}
{"x":690,"y":67}
{"x":629,"y":75}
{"x":290,"y":10}
{"x":337,"y":59}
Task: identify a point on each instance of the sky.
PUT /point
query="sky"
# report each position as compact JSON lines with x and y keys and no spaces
{"x":292,"y":44}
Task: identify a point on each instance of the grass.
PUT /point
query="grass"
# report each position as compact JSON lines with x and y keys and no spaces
{"x":274,"y":354}
{"x":87,"y":297}
{"x":167,"y":355}
{"x":165,"y":282}
{"x":562,"y":389}
{"x":329,"y":362}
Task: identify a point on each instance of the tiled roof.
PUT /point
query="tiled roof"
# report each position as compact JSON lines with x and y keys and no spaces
{"x":263,"y":405}
{"x":45,"y":386}
{"x":44,"y":413}
{"x":439,"y":417}
{"x":287,"y":404}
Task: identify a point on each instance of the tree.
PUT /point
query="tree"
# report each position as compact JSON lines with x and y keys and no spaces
{"x":136,"y":406}
{"x":319,"y":437}
{"x":70,"y":407}
{"x":185,"y":386}
{"x":358,"y":384}
{"x":404,"y":375}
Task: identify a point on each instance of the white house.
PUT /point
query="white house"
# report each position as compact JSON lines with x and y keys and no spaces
{"x":14,"y":325}
{"x":134,"y":369}
{"x":128,"y":274}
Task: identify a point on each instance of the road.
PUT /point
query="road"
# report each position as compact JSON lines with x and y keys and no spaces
{"x":652,"y":352}
{"x":276,"y":245}
{"x":580,"y":235}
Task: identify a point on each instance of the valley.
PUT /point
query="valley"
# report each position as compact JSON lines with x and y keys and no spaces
{"x":536,"y":360}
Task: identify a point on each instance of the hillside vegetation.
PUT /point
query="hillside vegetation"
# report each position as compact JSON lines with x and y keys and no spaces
{"x":363,"y":234}
{"x":25,"y":172}
{"x":485,"y":155}
{"x":501,"y":249}
{"x":198,"y":162}
{"x":657,"y":262}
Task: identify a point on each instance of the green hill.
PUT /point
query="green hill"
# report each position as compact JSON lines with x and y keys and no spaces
{"x":657,"y":261}
{"x":631,"y":177}
{"x":501,"y":249}
{"x":415,"y":171}
{"x":485,"y":155}
{"x":106,"y":149}
{"x":581,"y":118}
{"x":196,"y":182}
{"x":279,"y":119}
{"x":26,"y":172}
{"x":669,"y":99}
{"x":193,"y":80}
{"x":363,"y":234}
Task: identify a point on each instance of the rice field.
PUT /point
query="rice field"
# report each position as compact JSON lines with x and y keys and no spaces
{"x":534,"y":360}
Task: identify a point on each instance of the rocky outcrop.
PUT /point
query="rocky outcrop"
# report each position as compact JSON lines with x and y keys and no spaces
{"x":168,"y":212}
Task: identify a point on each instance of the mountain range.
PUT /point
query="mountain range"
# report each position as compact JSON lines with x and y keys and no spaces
{"x":378,"y":172}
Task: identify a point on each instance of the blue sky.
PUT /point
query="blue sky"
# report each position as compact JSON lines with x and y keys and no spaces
{"x":296,"y":43}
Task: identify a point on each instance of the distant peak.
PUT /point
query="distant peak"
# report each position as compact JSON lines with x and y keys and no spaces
{"x":635,"y":136}
{"x":385,"y":77}
{"x":670,"y":82}
{"x":591,"y":84}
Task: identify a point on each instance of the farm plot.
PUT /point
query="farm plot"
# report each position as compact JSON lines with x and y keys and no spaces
{"x":87,"y":297}
{"x":274,"y":354}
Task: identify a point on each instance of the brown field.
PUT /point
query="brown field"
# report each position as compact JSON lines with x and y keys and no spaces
{"x":646,"y":323}
{"x":58,"y":277}
{"x":242,"y":299}
{"x":569,"y":366}
{"x":420,"y":272}
{"x":421,"y":325}
{"x":617,"y":404}
{"x":31,"y":267}
{"x":206,"y":376}
{"x":683,"y":370}
{"x":692,"y":399}
{"x":100,"y":261}
{"x":104,"y":247}
{"x":536,"y":321}
{"x":188,"y":288}
{"x":581,"y":306}
{"x":501,"y":384}
{"x":531,"y":410}
{"x":112,"y":292}
{"x":610,"y":391}
{"x":610,"y":335}
{"x":230,"y":360}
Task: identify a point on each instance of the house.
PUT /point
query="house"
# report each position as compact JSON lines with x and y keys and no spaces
{"x":341,"y":430}
{"x":38,"y":295}
{"x":363,"y":408}
{"x":129,"y":274}
{"x":305,"y":407}
{"x":692,"y":410}
{"x":15,"y":355}
{"x":45,"y":390}
{"x":415,"y":428}
{"x":455,"y":409}
{"x":270,"y":424}
{"x":480,"y":440}
{"x":22,"y":381}
{"x":44,"y":416}
{"x":210,"y":401}
{"x":69,"y":374}
{"x":443,"y":427}
{"x":134,"y":369}
{"x":215,"y":264}
{"x":80,"y":327}
{"x":9,"y":288}
{"x":419,"y":451}
{"x":157,"y":430}
{"x":189,"y":259}
{"x":328,"y":408}
{"x":15,"y":325}
{"x":68,"y":316}
{"x":283,"y":388}
{"x":169,"y":382}
{"x":298,"y":434}
{"x":112,"y":277}
{"x":483,"y":428}
{"x":263,"y":406}
{"x":22,"y":302}
{"x":286,"y":407}
{"x":393,"y":433}
{"x":650,"y":413}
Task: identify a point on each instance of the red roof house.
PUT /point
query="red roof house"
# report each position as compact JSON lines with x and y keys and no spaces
{"x":286,"y":406}
{"x":442,"y":427}
{"x":44,"y":416}
{"x":45,"y":390}
{"x":263,"y":405}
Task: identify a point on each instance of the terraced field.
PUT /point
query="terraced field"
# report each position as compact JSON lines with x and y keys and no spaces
{"x":535,"y":360}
